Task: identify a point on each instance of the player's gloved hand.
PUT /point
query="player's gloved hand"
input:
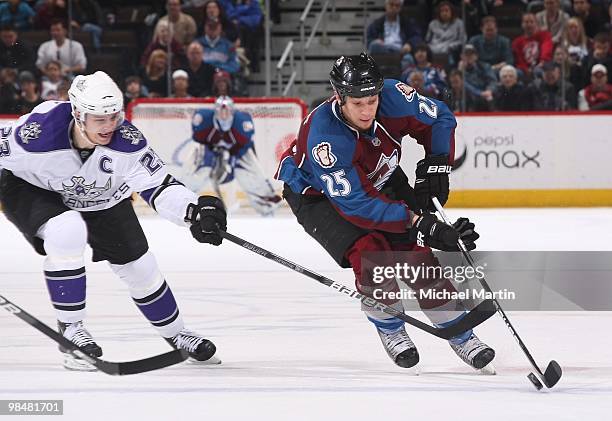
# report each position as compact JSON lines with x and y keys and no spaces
{"x":427,"y":230}
{"x":432,"y":180}
{"x":207,"y":217}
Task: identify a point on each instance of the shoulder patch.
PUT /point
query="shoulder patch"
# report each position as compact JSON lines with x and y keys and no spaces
{"x":197,"y":119}
{"x":407,"y":91}
{"x":30,"y":131}
{"x":323,"y":155}
{"x":248,"y":126}
{"x":131,"y":134}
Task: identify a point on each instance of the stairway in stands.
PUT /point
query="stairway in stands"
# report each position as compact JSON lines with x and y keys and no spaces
{"x":345,"y":34}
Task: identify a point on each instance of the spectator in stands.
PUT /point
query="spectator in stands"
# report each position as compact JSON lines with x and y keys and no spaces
{"x":593,"y":21}
{"x":16,"y":13}
{"x":62,"y":91}
{"x":214,"y":12}
{"x":154,"y":75}
{"x":417,"y":81}
{"x":51,"y":81}
{"x":9,"y":91}
{"x":446,"y":34}
{"x":180,"y":84}
{"x":29,"y":97}
{"x":218,"y":50}
{"x":200,"y":74}
{"x":222,"y":83}
{"x":455,"y":100}
{"x":50,"y":11}
{"x":479,"y":77}
{"x":182,"y":26}
{"x":547,"y":94}
{"x":162,"y":40}
{"x":247,"y":16}
{"x":599,"y":55}
{"x":533,"y":48}
{"x":570,"y":71}
{"x":552,"y":19}
{"x":597,"y":95}
{"x":133,"y":90}
{"x":492,"y":48}
{"x":393,"y":33}
{"x":87,"y":17}
{"x":13,"y":51}
{"x":69,"y":53}
{"x":575,"y":40}
{"x":434,"y":78}
{"x":510,"y":94}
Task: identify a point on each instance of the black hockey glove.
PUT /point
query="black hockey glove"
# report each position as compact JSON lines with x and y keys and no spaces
{"x":429,"y":231}
{"x":207,"y":217}
{"x":432,"y":180}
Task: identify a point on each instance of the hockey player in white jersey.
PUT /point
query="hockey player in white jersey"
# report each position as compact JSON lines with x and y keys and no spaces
{"x":68,"y":172}
{"x":225,"y":150}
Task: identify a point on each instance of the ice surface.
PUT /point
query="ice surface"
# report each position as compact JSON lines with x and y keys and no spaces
{"x":296,"y":350}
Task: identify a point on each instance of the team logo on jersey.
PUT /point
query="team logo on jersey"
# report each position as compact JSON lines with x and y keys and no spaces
{"x":132,"y":134}
{"x":80,"y":190}
{"x":375,"y":141}
{"x":405,"y":90}
{"x":385,"y":167}
{"x":323,"y":154}
{"x":30,"y":131}
{"x":197,"y":119}
{"x":247,"y":126}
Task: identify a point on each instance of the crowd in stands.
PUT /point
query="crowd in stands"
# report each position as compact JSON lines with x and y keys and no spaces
{"x":186,"y":48}
{"x":561,"y":59}
{"x":556,"y":57}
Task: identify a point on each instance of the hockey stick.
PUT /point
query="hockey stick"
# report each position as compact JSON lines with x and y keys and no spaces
{"x":108,"y":367}
{"x":472,"y":319}
{"x":553,"y":371}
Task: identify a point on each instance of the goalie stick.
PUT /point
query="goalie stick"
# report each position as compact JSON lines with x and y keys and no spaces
{"x":108,"y":367}
{"x":473,"y":318}
{"x":553,"y":371}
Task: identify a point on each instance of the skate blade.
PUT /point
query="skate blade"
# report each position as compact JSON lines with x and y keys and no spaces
{"x":76,"y":364}
{"x":214,"y":360}
{"x":488,"y":370}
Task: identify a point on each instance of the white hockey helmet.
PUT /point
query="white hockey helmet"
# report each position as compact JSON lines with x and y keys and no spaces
{"x":95,"y":94}
{"x":224,"y":113}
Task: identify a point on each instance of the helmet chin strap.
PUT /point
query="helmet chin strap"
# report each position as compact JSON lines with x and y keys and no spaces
{"x":83,"y":135}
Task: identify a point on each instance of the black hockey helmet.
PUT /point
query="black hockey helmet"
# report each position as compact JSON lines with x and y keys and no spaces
{"x":356,"y":76}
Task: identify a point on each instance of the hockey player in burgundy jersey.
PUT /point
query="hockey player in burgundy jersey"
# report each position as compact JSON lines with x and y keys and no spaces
{"x":68,"y":172}
{"x":226,"y":151}
{"x":344,"y":184}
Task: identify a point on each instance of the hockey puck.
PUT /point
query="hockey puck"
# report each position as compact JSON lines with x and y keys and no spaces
{"x":532,"y":377}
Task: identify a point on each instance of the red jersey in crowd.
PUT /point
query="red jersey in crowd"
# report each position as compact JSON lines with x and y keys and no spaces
{"x":529,"y":51}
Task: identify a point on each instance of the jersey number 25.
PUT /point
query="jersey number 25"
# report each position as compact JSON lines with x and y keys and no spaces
{"x":337,"y":178}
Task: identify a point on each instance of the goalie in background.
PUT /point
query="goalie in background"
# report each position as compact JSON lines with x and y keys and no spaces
{"x":225,"y":151}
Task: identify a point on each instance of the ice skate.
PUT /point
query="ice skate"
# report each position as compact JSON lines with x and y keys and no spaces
{"x":476,"y":354}
{"x":200,"y":349}
{"x":400,"y":348}
{"x":78,"y":335}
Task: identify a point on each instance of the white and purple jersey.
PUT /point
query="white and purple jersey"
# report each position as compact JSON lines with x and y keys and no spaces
{"x":38,"y":149}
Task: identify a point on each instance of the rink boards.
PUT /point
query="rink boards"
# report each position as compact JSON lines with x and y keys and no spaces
{"x":501,"y":159}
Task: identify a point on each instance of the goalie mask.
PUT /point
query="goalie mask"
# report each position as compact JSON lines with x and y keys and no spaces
{"x":224,"y":113}
{"x":96,"y":94}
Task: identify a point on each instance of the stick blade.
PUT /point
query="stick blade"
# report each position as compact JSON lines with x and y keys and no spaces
{"x":553,"y":373}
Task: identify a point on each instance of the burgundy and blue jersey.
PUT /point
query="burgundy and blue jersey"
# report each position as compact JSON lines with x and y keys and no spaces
{"x":237,"y":140}
{"x":331,"y":158}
